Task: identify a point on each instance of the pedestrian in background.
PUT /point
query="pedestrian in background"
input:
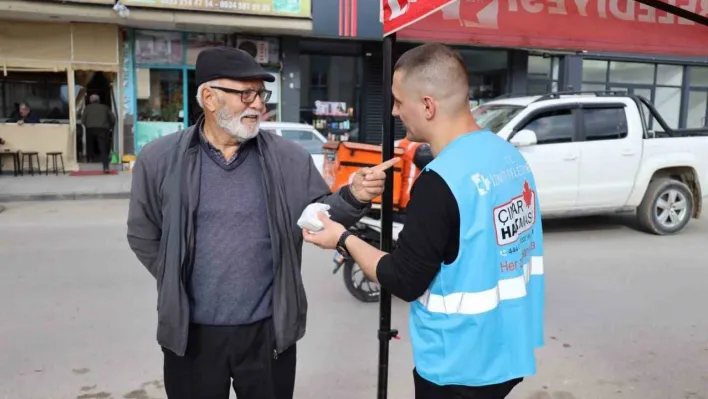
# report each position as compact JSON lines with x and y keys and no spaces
{"x":470,"y":255}
{"x":99,"y":122}
{"x":213,"y":217}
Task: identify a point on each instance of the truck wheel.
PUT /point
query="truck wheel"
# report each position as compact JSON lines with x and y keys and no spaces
{"x":666,"y":208}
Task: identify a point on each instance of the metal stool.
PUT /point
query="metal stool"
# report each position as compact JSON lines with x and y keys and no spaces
{"x":55,"y":169}
{"x":31,"y":154}
{"x":15,"y":161}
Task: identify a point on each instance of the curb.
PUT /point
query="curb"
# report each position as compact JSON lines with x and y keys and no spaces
{"x":61,"y":197}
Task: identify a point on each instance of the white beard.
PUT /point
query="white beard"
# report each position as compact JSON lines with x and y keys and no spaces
{"x":234,"y":127}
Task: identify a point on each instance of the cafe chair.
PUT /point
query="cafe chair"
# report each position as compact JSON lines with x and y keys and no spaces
{"x":54,"y":169}
{"x":31,"y":155}
{"x":15,"y":155}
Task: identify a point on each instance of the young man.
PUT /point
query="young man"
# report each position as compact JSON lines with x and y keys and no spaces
{"x":470,"y":257}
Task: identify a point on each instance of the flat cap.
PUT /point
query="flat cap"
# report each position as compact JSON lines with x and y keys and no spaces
{"x":228,"y":63}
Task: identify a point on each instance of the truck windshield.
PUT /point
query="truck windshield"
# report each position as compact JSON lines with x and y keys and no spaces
{"x":495,"y":116}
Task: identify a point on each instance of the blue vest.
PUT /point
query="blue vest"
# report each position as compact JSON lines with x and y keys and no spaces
{"x":482,"y":316}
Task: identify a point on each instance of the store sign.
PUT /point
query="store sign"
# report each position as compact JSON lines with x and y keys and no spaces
{"x":347,"y":18}
{"x":275,"y":8}
{"x":580,"y":25}
{"x":109,"y":2}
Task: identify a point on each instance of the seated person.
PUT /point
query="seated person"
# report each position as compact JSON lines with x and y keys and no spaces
{"x":26,"y":115}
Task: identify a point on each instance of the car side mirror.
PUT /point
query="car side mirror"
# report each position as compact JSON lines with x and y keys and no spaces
{"x":524,"y":138}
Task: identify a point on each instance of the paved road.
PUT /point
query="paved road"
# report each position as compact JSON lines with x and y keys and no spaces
{"x":626,"y":314}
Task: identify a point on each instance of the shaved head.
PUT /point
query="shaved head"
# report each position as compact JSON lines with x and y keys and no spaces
{"x":437,"y":71}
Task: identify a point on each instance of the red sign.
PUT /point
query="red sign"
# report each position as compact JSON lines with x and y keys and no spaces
{"x":397,"y":14}
{"x":578,"y":25}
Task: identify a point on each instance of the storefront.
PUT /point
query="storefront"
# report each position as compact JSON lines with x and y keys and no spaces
{"x":51,"y":68}
{"x":520,"y":51}
{"x":159,"y":93}
{"x":160,"y":89}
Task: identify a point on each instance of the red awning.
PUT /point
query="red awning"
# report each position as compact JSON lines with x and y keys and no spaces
{"x":577,"y":25}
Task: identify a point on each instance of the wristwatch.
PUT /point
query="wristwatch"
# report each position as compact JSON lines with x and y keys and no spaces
{"x":341,"y":247}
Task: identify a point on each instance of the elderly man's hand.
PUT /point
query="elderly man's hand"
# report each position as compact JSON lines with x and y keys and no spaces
{"x":368,"y":183}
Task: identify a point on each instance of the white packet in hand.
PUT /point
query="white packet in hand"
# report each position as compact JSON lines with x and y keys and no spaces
{"x":309,"y":220}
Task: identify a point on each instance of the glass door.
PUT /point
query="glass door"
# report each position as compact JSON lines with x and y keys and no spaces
{"x":697,"y":109}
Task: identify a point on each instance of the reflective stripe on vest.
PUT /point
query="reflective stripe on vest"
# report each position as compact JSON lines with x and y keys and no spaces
{"x":483,"y":301}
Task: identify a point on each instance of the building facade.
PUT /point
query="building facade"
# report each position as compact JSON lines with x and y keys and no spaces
{"x":326,"y":55}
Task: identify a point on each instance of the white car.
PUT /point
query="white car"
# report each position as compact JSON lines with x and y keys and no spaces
{"x":303,"y":134}
{"x":591,"y":153}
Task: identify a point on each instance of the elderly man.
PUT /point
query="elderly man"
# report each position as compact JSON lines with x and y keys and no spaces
{"x":213,"y":214}
{"x":470,"y":257}
{"x":25,"y":115}
{"x":99,"y":121}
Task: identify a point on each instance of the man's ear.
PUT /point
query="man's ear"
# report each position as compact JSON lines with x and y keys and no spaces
{"x":430,"y":107}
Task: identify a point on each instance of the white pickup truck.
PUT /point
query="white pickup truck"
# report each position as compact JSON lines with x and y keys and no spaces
{"x":591,"y":153}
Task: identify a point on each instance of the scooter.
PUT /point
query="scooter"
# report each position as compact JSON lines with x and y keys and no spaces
{"x":358,"y":285}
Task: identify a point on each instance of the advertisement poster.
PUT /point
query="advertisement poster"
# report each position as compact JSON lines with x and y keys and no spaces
{"x":280,"y":8}
{"x":149,"y":131}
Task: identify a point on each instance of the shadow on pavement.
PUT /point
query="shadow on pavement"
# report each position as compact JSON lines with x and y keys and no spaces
{"x":591,"y":223}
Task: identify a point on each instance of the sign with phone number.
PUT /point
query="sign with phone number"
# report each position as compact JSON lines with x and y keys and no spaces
{"x":284,"y":8}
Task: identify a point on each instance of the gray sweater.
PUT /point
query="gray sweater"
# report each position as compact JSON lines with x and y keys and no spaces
{"x":232,"y":278}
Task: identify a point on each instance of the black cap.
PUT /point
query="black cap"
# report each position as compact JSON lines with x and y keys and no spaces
{"x":228,"y":63}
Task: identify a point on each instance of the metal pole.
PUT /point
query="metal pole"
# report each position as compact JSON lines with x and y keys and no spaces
{"x":385,"y":332}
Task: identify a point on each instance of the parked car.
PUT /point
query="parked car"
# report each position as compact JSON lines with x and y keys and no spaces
{"x":591,"y":153}
{"x":303,"y":134}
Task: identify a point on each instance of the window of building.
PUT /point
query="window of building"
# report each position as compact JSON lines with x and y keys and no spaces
{"x":329,"y":93}
{"x":44,"y":92}
{"x":160,"y":95}
{"x":543,"y":74}
{"x":553,"y":127}
{"x":659,"y":83}
{"x":697,"y":108}
{"x":604,"y":124}
{"x":487,"y":73}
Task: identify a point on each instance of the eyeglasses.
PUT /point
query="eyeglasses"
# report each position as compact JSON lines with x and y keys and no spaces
{"x":247,"y":96}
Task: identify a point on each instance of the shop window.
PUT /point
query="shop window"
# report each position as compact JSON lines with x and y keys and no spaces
{"x":631,"y":72}
{"x":159,"y":95}
{"x":543,"y":74}
{"x":667,"y":101}
{"x":158,"y":48}
{"x":45,"y":93}
{"x":487,"y":73}
{"x":594,"y":71}
{"x":697,"y":109}
{"x":669,"y":75}
{"x":196,"y":42}
{"x":329,"y":93}
{"x":699,"y":77}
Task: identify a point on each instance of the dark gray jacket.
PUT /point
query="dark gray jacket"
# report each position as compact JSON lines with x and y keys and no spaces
{"x":163,"y":203}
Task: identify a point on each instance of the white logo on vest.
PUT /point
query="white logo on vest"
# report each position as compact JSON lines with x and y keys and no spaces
{"x":515,"y":217}
{"x":483,"y":184}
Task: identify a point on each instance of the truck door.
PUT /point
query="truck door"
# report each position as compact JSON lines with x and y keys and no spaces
{"x":554,"y":159}
{"x":610,"y":154}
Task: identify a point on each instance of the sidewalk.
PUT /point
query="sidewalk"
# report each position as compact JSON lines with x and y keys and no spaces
{"x":55,"y":188}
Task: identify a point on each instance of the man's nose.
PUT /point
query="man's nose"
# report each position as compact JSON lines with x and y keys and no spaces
{"x":258,"y":102}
